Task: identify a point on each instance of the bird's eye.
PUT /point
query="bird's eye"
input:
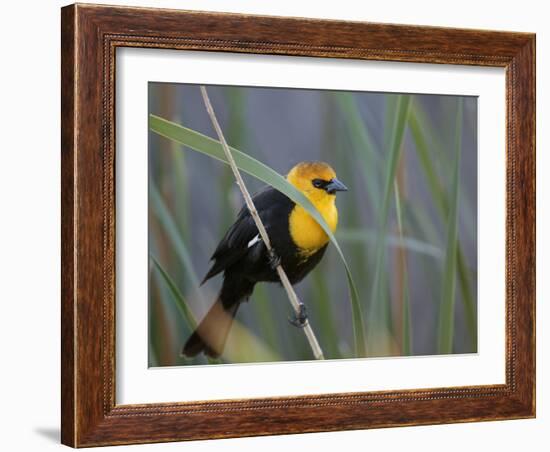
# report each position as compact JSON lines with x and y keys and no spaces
{"x":318,"y":183}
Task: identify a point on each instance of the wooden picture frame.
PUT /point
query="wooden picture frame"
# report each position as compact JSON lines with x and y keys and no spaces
{"x":90,"y":36}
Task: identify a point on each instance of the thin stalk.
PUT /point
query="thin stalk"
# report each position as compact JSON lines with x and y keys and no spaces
{"x":161,"y":211}
{"x":176,"y":295}
{"x":293,"y":298}
{"x":404,"y":280}
{"x":448,"y":289}
{"x":441,"y":201}
{"x":377,"y":314}
{"x":365,"y":148}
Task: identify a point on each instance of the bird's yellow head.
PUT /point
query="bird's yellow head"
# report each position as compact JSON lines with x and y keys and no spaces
{"x":316,"y":180}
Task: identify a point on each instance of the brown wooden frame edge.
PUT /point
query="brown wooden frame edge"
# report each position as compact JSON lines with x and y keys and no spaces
{"x":90,"y":35}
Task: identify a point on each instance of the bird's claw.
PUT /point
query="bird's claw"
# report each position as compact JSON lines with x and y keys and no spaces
{"x":274,"y":260}
{"x":299,"y":320}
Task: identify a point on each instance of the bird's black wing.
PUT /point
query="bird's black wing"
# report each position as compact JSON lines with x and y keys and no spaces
{"x":273,"y":208}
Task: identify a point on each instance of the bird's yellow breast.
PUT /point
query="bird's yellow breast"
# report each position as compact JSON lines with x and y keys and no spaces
{"x":306,"y":232}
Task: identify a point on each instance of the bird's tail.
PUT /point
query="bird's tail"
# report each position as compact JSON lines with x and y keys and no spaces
{"x":211,"y":333}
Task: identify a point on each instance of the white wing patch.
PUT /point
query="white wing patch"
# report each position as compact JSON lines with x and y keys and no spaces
{"x":254,"y":241}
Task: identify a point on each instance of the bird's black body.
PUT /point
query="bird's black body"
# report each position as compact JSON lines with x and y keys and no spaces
{"x":244,"y":259}
{"x":234,"y":256}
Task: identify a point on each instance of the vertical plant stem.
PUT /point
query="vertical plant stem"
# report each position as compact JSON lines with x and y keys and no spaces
{"x":362,"y":143}
{"x":448,"y":290}
{"x":161,"y":211}
{"x":377,"y":313}
{"x":403,"y":279}
{"x":293,"y":298}
{"x":417,"y":123}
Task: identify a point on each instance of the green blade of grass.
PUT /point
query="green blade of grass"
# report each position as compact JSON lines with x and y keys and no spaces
{"x":253,"y":167}
{"x":167,"y":221}
{"x":448,"y":295}
{"x":154,"y":330}
{"x":324,"y":316}
{"x":442,"y":203}
{"x":445,"y":161}
{"x":177,"y":309}
{"x":356,"y":136}
{"x":467,"y":296}
{"x":181,"y":183}
{"x":360,"y":142}
{"x":406,"y":345}
{"x":363,"y":144}
{"x":378,"y":315}
{"x":409,"y":243}
{"x":236,"y":354}
{"x":177,"y":296}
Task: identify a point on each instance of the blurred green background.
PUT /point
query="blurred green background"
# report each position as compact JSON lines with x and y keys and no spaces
{"x":408,"y":225}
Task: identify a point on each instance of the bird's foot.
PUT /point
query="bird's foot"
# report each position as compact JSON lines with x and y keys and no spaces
{"x":274,"y":260}
{"x":299,"y":320}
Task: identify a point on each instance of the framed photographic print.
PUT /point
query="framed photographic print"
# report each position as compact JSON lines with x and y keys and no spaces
{"x":282,"y":225}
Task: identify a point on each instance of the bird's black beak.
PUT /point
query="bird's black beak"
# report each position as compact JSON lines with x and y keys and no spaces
{"x":335,"y":185}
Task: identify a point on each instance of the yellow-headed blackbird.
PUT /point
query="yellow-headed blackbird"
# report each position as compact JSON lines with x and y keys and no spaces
{"x":297,"y":240}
